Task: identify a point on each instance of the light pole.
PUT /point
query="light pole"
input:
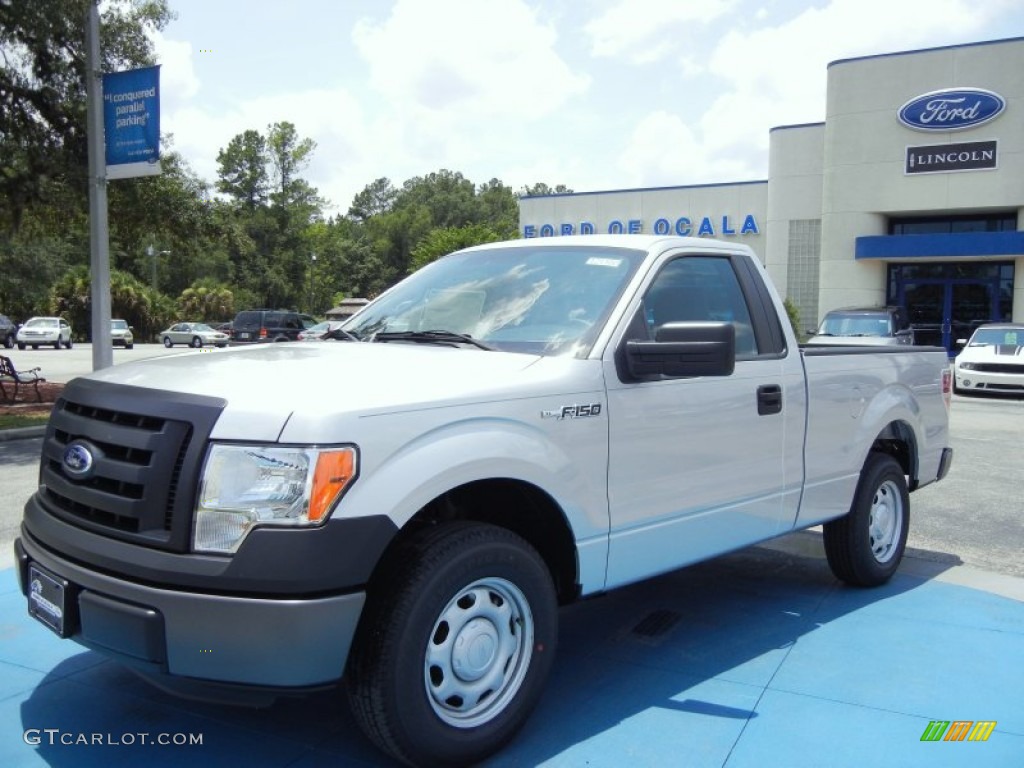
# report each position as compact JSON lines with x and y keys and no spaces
{"x":153,"y":253}
{"x":312,"y":264}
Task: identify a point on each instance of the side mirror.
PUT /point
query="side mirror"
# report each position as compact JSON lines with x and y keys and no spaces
{"x":684,"y":349}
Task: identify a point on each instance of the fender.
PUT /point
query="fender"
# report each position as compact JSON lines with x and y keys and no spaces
{"x":483,"y":448}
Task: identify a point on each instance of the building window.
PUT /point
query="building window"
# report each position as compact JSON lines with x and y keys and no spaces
{"x":802,"y":280}
{"x":1004,"y":221}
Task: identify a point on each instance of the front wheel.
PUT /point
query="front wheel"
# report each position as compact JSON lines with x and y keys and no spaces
{"x":196,"y":342}
{"x":455,"y":645}
{"x":865,"y":546}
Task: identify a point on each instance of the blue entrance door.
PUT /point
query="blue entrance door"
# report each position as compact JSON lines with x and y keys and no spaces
{"x":943,"y":311}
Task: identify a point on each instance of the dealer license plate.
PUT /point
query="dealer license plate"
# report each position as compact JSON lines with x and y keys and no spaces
{"x":243,"y":335}
{"x":46,"y":598}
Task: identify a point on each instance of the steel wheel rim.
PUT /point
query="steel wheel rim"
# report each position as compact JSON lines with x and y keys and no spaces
{"x":885,"y":521}
{"x":478,"y":652}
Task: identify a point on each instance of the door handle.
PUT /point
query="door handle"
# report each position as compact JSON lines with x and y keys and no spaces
{"x":769,"y":399}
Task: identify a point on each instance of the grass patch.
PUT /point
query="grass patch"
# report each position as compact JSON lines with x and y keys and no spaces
{"x":13,"y":421}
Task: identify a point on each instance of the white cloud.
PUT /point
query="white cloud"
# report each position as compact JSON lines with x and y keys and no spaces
{"x":664,"y":150}
{"x":777,"y":75}
{"x":483,"y":58}
{"x":177,"y":74}
{"x":645,"y":31}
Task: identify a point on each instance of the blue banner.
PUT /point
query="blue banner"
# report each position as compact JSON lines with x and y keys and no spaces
{"x":131,"y":118}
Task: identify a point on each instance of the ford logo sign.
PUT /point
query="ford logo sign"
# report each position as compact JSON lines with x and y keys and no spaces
{"x":951,"y":110}
{"x":78,"y":460}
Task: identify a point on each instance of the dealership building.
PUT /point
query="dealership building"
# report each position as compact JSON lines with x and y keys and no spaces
{"x":910,"y":193}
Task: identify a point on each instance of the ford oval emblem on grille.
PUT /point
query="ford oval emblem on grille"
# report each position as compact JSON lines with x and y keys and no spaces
{"x":951,"y":110}
{"x":78,"y":460}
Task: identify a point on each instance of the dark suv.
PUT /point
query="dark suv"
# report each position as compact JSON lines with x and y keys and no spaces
{"x":258,"y":325}
{"x":7,"y":331}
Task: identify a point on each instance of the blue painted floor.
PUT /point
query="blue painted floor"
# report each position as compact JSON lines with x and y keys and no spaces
{"x":757,"y":659}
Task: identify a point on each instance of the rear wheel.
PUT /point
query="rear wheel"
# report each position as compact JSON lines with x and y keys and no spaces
{"x":69,"y":343}
{"x":865,"y":546}
{"x":454,"y":646}
{"x":167,"y":342}
{"x":9,"y":341}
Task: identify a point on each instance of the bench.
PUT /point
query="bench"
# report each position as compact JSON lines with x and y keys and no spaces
{"x":9,"y":375}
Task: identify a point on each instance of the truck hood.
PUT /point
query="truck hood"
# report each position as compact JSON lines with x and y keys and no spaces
{"x":264,"y":385}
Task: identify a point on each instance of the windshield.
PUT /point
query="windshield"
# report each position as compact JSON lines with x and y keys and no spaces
{"x":837,"y":324}
{"x":41,"y":322}
{"x":998,"y":337}
{"x":548,"y":300}
{"x":119,"y":325}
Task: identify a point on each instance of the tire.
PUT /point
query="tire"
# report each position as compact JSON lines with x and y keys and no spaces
{"x":196,"y":342}
{"x":129,"y":346}
{"x":69,"y":343}
{"x":864,"y":547}
{"x":9,"y":342}
{"x":21,"y":346}
{"x":35,"y":346}
{"x":451,"y":589}
{"x":167,"y":342}
{"x":58,"y":343}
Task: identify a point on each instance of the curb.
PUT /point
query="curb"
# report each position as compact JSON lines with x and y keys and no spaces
{"x":22,"y":432}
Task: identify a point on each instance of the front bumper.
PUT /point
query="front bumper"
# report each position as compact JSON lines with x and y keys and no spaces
{"x":278,"y":643}
{"x":985,"y":381}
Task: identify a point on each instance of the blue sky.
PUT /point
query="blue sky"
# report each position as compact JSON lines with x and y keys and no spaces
{"x":608,"y":94}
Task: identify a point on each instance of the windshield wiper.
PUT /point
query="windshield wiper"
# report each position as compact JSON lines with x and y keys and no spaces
{"x":431,"y":337}
{"x":340,"y":335}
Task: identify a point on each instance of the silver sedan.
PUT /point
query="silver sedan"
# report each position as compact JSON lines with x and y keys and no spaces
{"x":194,"y":334}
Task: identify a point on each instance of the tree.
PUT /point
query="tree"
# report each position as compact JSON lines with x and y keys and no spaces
{"x":206,"y":300}
{"x":541,"y":188}
{"x":242,"y":169}
{"x":376,"y":198}
{"x":440,"y":242}
{"x":42,"y":89}
{"x":145,"y":310}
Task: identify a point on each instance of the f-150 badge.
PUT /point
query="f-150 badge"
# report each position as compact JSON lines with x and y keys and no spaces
{"x":572,"y":411}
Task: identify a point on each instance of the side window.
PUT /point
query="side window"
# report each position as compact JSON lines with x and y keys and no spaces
{"x":700,"y":288}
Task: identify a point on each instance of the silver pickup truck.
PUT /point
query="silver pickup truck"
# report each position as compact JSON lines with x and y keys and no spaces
{"x":402,"y":510}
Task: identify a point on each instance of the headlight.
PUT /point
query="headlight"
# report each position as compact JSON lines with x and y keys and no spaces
{"x":966,"y":366}
{"x":248,"y":485}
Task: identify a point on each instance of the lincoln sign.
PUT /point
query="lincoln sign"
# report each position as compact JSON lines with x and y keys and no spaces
{"x":944,"y":158}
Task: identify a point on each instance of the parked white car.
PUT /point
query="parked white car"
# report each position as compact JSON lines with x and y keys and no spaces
{"x":45,"y":330}
{"x":992,"y":361}
{"x":194,"y":334}
{"x":121,"y":333}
